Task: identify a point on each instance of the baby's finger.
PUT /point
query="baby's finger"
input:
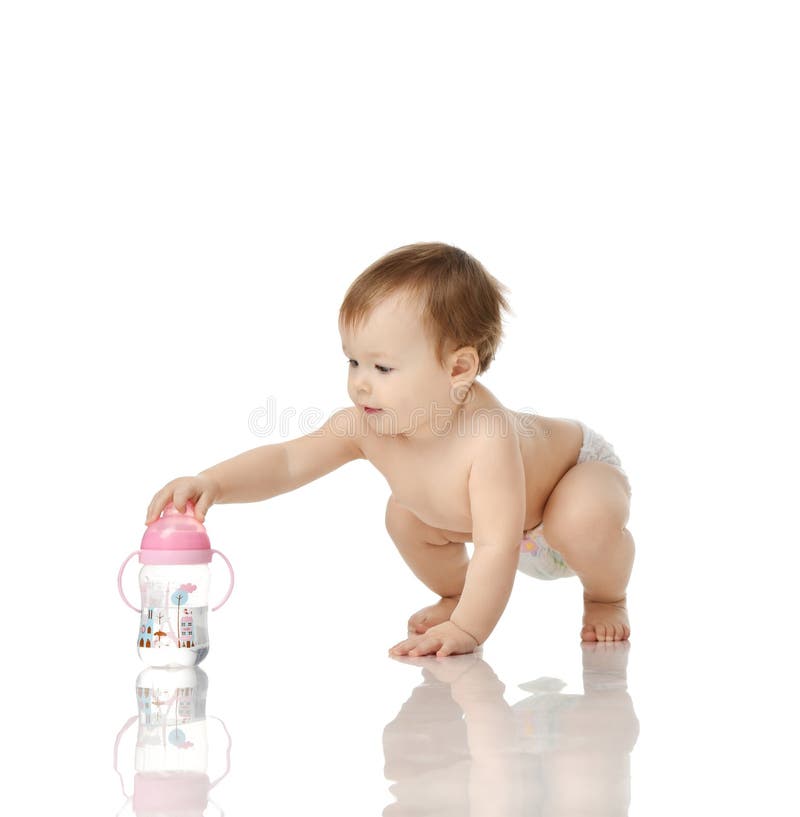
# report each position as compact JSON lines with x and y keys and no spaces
{"x":426,"y":646}
{"x":203,"y":504}
{"x":447,"y":648}
{"x":402,"y":647}
{"x":179,"y":500}
{"x":155,"y":507}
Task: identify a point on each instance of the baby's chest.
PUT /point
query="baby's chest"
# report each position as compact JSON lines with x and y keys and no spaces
{"x":441,"y":503}
{"x":436,"y":491}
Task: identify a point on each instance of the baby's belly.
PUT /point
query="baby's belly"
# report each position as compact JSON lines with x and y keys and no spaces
{"x":456,"y":527}
{"x":457,"y":533}
{"x":455,"y":524}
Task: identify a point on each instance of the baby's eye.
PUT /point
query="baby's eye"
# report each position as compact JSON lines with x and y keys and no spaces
{"x":381,"y":369}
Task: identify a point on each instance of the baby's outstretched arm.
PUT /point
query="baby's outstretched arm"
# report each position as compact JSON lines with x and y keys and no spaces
{"x":497,"y":505}
{"x":264,"y":472}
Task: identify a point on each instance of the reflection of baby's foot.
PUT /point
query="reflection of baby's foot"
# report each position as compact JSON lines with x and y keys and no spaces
{"x":433,"y":615}
{"x":605,"y":621}
{"x":605,"y":665}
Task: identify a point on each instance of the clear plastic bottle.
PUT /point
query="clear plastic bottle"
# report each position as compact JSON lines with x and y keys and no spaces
{"x":174,"y":585}
{"x":173,"y":630}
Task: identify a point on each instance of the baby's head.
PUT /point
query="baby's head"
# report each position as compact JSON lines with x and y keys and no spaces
{"x":418,"y":326}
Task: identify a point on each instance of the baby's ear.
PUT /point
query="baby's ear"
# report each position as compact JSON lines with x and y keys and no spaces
{"x":465,"y":361}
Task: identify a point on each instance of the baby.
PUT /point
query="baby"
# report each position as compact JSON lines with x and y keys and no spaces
{"x":418,"y":327}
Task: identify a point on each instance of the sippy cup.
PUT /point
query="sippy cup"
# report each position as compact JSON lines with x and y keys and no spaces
{"x":174,"y":579}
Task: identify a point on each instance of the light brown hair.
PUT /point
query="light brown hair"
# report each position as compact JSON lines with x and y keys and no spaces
{"x":460,"y":301}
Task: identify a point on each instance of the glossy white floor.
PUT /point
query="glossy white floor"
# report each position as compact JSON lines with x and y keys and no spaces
{"x":696,"y":713}
{"x":186,"y":191}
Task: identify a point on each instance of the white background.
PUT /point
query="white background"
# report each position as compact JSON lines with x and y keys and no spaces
{"x":187,"y":189}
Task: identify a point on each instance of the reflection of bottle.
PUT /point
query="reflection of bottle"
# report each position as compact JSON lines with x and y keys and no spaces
{"x":171,"y":744}
{"x":172,"y":719}
{"x":174,"y":580}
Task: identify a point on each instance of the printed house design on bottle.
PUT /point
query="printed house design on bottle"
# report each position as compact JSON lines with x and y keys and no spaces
{"x":146,"y":630}
{"x":187,"y":628}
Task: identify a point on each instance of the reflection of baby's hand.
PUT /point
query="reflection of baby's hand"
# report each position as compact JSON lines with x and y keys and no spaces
{"x":443,"y":639}
{"x":450,"y":671}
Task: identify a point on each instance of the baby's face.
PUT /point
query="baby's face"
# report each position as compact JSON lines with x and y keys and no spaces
{"x":393,"y":367}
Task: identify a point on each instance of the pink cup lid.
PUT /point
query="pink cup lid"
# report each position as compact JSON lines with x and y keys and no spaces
{"x":175,"y":538}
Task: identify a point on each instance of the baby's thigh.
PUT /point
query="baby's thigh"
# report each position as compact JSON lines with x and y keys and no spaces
{"x":591,"y":499}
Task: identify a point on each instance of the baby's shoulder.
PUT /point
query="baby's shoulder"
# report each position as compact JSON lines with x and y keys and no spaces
{"x":492,"y":427}
{"x":493,"y":439}
{"x":346,"y":426}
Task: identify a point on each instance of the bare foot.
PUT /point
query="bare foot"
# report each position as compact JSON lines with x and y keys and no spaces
{"x":605,"y":621}
{"x":433,"y":615}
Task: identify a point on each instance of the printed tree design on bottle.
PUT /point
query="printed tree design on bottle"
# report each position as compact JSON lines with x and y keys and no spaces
{"x":159,"y":634}
{"x":178,"y":598}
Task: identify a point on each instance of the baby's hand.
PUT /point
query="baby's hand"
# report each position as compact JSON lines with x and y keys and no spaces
{"x":443,"y":639}
{"x":201,"y":490}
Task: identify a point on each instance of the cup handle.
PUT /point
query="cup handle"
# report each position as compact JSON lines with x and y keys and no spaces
{"x":116,"y":750}
{"x":119,"y":583}
{"x":230,"y":586}
{"x":227,"y":754}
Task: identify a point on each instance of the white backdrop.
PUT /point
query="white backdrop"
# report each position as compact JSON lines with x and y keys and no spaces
{"x":187,"y":190}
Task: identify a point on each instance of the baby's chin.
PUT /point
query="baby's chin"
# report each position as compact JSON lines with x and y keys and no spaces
{"x":387,"y":423}
{"x":415,"y":428}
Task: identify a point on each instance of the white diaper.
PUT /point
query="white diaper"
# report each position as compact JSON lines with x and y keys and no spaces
{"x":596,"y":447}
{"x":538,"y":559}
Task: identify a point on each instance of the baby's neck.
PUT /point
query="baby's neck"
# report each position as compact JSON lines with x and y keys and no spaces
{"x":444,"y":427}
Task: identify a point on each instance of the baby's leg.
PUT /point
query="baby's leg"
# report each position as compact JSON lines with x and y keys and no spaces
{"x":433,"y":558}
{"x":584,"y":520}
